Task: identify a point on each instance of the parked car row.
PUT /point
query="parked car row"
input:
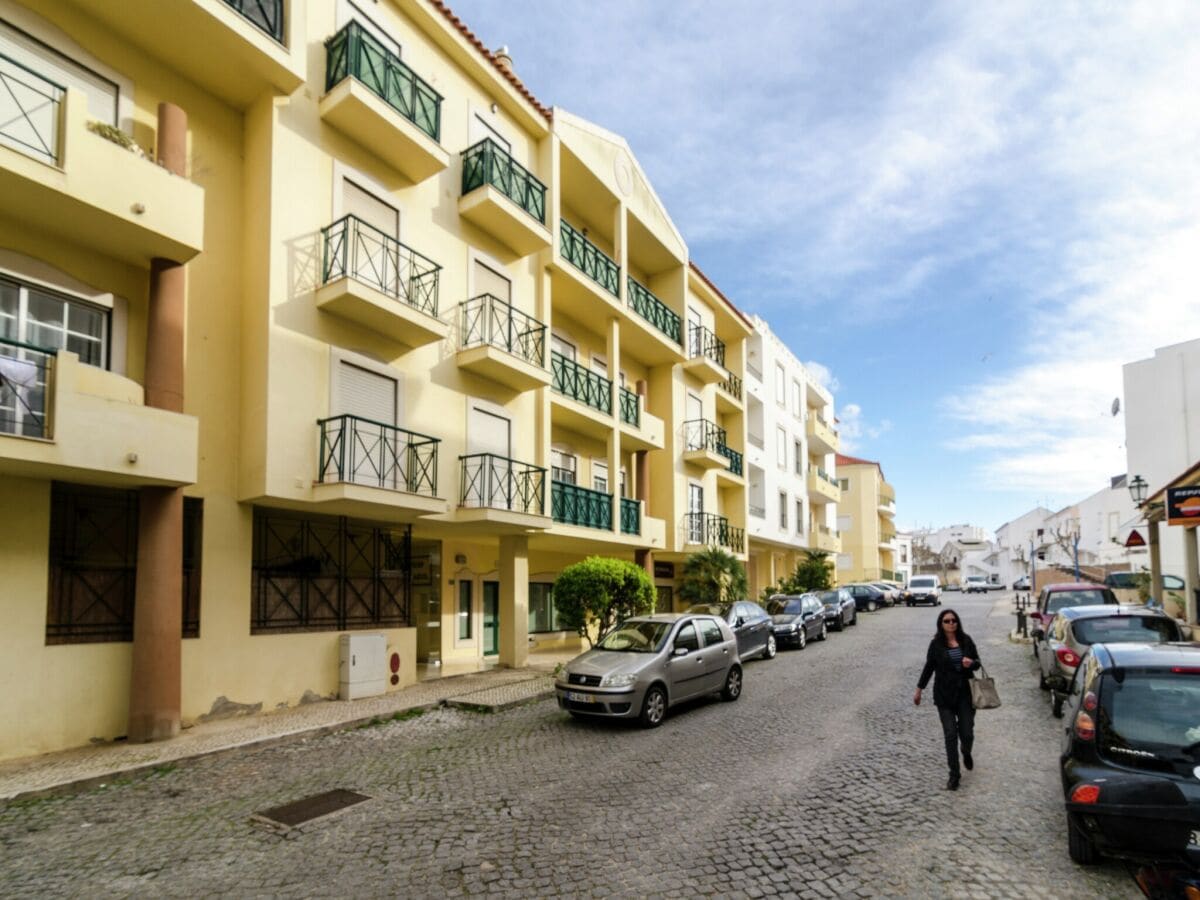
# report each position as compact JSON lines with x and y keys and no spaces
{"x":1127,"y":687}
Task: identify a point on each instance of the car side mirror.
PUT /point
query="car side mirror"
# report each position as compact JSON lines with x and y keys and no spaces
{"x":681,"y":651}
{"x":740,"y":622}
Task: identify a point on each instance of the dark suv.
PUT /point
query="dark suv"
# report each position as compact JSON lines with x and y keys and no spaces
{"x":1131,"y":754}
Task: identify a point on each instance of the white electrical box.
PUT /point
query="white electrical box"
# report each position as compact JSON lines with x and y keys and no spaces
{"x":362,"y":665}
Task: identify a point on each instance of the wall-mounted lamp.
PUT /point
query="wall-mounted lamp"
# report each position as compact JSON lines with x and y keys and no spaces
{"x":1137,"y":490}
{"x":460,"y":559}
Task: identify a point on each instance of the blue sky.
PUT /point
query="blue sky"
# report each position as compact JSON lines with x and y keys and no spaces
{"x":968,"y":215}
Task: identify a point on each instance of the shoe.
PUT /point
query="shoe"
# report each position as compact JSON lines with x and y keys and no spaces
{"x":952,"y":784}
{"x":967,"y":761}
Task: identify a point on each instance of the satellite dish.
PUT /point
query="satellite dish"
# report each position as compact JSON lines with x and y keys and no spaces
{"x":1116,"y":405}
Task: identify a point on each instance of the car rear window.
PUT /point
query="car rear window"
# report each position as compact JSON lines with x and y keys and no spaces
{"x":1062,"y":599}
{"x":1155,"y":713}
{"x":829,"y":598}
{"x":1126,"y":629}
{"x":784,"y":606}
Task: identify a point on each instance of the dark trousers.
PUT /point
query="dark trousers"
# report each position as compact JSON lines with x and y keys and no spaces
{"x":958,"y":726}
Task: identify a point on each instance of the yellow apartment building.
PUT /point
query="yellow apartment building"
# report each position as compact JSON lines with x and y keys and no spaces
{"x":314,"y":321}
{"x":866,"y":520}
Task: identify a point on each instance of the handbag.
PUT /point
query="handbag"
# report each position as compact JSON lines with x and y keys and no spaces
{"x":983,"y":691}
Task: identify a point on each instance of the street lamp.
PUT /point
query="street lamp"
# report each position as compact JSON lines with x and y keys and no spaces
{"x":1137,"y":490}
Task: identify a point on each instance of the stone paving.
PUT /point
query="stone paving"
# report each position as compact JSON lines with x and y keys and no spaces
{"x":822,"y":781}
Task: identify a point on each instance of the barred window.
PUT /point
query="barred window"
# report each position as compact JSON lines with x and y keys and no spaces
{"x":93,"y":564}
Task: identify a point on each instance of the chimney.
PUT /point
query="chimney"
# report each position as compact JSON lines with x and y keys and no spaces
{"x":503,"y":60}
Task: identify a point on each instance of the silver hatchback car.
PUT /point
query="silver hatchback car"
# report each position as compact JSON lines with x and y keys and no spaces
{"x":649,"y":663}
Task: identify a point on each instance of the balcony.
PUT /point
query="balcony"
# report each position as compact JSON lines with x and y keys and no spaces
{"x":653,"y":332}
{"x":503,"y":198}
{"x":734,"y":459}
{"x":887,"y":508}
{"x":376,"y":99}
{"x":702,"y":441}
{"x":581,"y":398}
{"x":236,"y":49}
{"x":63,"y":419}
{"x":574,"y":505}
{"x":729,"y":394}
{"x":822,"y":487}
{"x":826,"y":539}
{"x":376,"y":470}
{"x":710,"y":530}
{"x":886,"y":537}
{"x":639,"y":429}
{"x":706,"y":355}
{"x":502,"y":344}
{"x":822,"y":437}
{"x":582,"y":273}
{"x":59,"y":177}
{"x":375,"y":281}
{"x":505,"y":494}
{"x":887,"y":493}
{"x":631,"y":516}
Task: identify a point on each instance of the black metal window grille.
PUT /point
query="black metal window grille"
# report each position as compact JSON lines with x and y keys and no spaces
{"x":732,"y":386}
{"x":29,"y":111}
{"x":701,"y":434}
{"x":326,"y":573}
{"x":265,"y":15}
{"x":363,"y":451}
{"x":489,"y":320}
{"x":702,"y":342}
{"x":354,"y":249}
{"x":93,"y":564}
{"x":498,"y":482}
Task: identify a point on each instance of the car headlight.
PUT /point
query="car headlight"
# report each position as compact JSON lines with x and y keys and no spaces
{"x":792,"y":627}
{"x":617,"y":680}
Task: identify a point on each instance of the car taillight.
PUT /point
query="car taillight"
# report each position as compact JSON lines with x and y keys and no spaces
{"x":1086,"y":793}
{"x":1066,"y":656}
{"x":1085,"y":727}
{"x":1090,"y":702}
{"x":1186,"y":670}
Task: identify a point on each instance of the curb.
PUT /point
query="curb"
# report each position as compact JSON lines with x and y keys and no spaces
{"x":464,"y":703}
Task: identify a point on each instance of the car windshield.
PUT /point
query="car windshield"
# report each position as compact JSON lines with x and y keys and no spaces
{"x":637,"y":636}
{"x":1152,"y":711}
{"x":829,"y":598}
{"x":1062,"y":599}
{"x":921,"y":583}
{"x":784,"y":606}
{"x":1126,"y":629}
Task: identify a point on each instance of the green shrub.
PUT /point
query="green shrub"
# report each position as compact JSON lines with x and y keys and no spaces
{"x":601,"y":592}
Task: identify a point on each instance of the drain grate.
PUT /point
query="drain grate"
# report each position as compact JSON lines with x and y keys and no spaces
{"x":301,"y":811}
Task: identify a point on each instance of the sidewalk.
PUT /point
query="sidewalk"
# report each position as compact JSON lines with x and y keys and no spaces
{"x":84,"y":766}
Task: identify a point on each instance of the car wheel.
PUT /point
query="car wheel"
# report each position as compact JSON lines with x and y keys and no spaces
{"x":1056,"y":705}
{"x":654,"y":707}
{"x":769,"y":650}
{"x":839,"y":625}
{"x":733,"y":684}
{"x":824,"y":632}
{"x":802,"y":634}
{"x":1079,"y":845}
{"x":854,"y":619}
{"x":872,"y":606}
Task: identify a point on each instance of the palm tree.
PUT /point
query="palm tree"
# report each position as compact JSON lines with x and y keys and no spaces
{"x":712,"y":576}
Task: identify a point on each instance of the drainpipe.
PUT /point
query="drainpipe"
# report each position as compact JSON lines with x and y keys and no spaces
{"x":155,"y":680}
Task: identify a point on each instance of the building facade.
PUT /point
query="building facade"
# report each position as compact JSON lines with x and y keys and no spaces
{"x":866,"y":521}
{"x":380,"y":344}
{"x":792,"y":488}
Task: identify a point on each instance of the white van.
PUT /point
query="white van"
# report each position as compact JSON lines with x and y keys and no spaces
{"x":923,"y":589}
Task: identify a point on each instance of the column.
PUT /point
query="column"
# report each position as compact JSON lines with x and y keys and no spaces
{"x":514,"y":601}
{"x":613,"y":346}
{"x":155,"y":680}
{"x":1191,"y":567}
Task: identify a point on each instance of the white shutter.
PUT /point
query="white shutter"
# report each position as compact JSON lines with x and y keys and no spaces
{"x":488,"y":433}
{"x":366,"y":206}
{"x":365,"y":394}
{"x":101,"y":93}
{"x":489,"y":281}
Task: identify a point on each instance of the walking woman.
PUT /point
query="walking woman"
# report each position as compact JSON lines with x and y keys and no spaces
{"x":951,"y":660}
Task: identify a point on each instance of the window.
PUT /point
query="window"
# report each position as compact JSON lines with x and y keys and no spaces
{"x":783,"y":511}
{"x":562,"y":347}
{"x":543,"y":615}
{"x":798,"y":455}
{"x":687,"y":638}
{"x":711,"y":632}
{"x":600,"y":475}
{"x":797,"y":400}
{"x":780,"y":385}
{"x":799,"y":516}
{"x":480,"y":129}
{"x":844,"y":484}
{"x":664,"y":600}
{"x":464,"y":609}
{"x":781,"y":448}
{"x":562,"y":466}
{"x":93,"y":564}
{"x":34,"y":315}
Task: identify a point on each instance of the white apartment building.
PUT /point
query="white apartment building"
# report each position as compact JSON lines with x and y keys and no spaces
{"x":1016,"y":539}
{"x":792,"y":488}
{"x":937,"y":538}
{"x":1105,"y":520}
{"x":904,"y":560}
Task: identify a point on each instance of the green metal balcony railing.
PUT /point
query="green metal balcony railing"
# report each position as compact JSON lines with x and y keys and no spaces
{"x":631,"y":410}
{"x":631,"y":516}
{"x":653,"y":310}
{"x":24,"y":388}
{"x":889,"y":575}
{"x":822,"y":474}
{"x":714,"y":531}
{"x":488,"y":163}
{"x":575,"y":505}
{"x":701,"y":434}
{"x":735,"y":458}
{"x":497,"y":482}
{"x":266,"y":15}
{"x":489,"y":320}
{"x":29,"y":111}
{"x":732,"y":386}
{"x":579,"y":383}
{"x":360,"y":251}
{"x":589,"y":259}
{"x":362,"y":451}
{"x":355,"y":53}
{"x":702,"y":342}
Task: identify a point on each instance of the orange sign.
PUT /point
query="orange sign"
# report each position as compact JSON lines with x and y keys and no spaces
{"x":1183,"y":506}
{"x":1135,"y":539}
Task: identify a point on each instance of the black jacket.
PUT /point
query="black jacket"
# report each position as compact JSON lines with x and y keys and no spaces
{"x":949,"y":680}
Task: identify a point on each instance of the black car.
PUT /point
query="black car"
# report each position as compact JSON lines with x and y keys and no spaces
{"x":797,"y":618}
{"x":840,"y":610}
{"x":750,"y":623}
{"x":867,"y":596}
{"x":1131,"y":754}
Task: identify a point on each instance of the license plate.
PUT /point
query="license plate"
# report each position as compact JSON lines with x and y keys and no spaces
{"x":580,"y":698}
{"x":1195,"y":841}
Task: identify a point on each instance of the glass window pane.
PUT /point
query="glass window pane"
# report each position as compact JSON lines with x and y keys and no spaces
{"x":464,"y":609}
{"x":9,"y":307}
{"x":44,"y":336}
{"x":86,"y":320}
{"x":46,"y":309}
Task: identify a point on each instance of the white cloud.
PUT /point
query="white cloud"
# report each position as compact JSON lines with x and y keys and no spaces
{"x":823,"y":375}
{"x":853,"y":428}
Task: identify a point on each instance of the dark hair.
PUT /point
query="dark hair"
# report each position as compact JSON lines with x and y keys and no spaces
{"x":940,"y":636}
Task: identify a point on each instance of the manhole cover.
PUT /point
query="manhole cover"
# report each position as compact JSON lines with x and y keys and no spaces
{"x":300,"y":811}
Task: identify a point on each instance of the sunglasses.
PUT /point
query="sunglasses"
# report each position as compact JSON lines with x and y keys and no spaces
{"x":950,"y":621}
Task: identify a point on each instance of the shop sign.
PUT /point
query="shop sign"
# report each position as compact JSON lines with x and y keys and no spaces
{"x":664,"y":570}
{"x":1183,"y":506}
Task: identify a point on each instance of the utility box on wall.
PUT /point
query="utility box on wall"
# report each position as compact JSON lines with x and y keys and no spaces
{"x":362,"y":665}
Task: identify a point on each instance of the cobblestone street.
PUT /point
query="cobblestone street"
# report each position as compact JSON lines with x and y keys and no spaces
{"x":822,"y":781}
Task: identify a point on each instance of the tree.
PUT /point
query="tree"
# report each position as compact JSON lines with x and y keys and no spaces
{"x":814,"y":572}
{"x":712,"y":576}
{"x":602,"y":592}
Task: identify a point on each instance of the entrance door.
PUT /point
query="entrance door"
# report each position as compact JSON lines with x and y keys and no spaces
{"x":489,"y":479}
{"x":491,"y":618}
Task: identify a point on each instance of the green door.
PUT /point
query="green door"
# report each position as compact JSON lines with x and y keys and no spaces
{"x":491,"y":618}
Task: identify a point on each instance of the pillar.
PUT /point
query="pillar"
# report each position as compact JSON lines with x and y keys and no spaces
{"x":1152,"y":541}
{"x":613,"y":346}
{"x":155,"y":679}
{"x":514,"y":601}
{"x":1191,"y":568}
